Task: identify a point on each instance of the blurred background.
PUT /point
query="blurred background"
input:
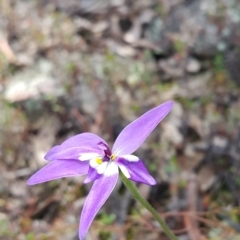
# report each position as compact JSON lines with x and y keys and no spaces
{"x":73,"y":66}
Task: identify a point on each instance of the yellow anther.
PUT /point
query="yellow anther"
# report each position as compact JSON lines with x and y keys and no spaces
{"x":98,"y":160}
{"x":113,"y":157}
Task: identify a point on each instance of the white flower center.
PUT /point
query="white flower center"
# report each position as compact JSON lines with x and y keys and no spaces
{"x":104,"y":167}
{"x":110,"y":167}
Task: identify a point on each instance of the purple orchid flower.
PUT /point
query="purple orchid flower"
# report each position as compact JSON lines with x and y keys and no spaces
{"x":89,"y":154}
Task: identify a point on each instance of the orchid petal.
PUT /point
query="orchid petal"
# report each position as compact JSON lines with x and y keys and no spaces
{"x":136,"y":170}
{"x":124,"y":170}
{"x":92,"y":175}
{"x":73,"y":147}
{"x":130,"y":158}
{"x":97,"y":196}
{"x":88,"y":156}
{"x":112,"y":169}
{"x":93,"y":163}
{"x":102,"y":167}
{"x":105,"y":148}
{"x":132,"y":136}
{"x":59,"y":169}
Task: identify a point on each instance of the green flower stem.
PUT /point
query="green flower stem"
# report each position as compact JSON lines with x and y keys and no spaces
{"x":132,"y":188}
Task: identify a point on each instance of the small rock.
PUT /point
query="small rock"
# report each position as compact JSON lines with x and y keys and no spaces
{"x":220,"y":142}
{"x":146,"y":16}
{"x":206,"y":178}
{"x":196,"y":123}
{"x":120,"y":49}
{"x":192,"y":158}
{"x":197,"y":85}
{"x":154,"y":31}
{"x":207,"y":41}
{"x":85,"y":97}
{"x":48,"y":126}
{"x":134,"y":34}
{"x":172,"y":67}
{"x":172,"y":134}
{"x":18,"y":188}
{"x":193,"y":66}
{"x":33,"y":83}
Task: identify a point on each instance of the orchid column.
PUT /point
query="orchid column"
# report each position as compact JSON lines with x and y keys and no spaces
{"x":89,"y":154}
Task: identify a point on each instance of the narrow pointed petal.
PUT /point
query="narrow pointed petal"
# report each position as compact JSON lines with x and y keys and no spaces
{"x":132,"y":136}
{"x":59,"y":169}
{"x":98,"y":195}
{"x":136,"y":171}
{"x":76,"y":145}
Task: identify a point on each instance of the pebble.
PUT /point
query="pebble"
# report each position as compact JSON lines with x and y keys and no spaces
{"x":193,"y":66}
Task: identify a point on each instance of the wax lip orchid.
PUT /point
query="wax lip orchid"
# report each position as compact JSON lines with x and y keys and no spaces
{"x":89,"y":154}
